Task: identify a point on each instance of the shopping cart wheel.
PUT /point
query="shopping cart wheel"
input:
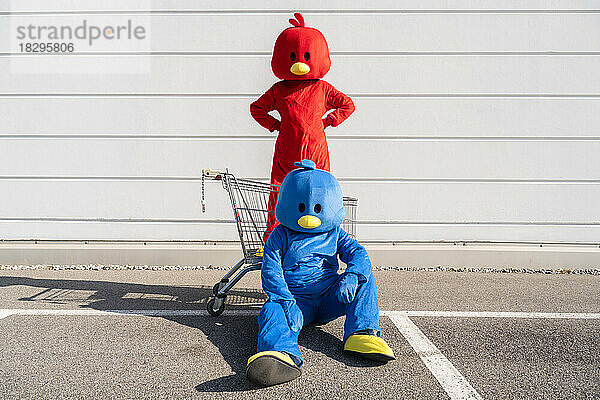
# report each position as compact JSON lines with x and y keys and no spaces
{"x":216,"y":309}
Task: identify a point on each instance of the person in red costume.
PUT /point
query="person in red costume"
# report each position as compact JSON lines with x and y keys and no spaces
{"x":300,"y":59}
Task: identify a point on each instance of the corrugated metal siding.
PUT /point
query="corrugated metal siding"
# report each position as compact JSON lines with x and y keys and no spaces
{"x":477,"y":122}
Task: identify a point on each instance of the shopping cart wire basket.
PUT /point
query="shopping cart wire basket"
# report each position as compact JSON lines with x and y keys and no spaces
{"x":249,"y":201}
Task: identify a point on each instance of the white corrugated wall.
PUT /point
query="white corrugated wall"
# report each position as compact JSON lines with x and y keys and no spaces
{"x":475,"y":121}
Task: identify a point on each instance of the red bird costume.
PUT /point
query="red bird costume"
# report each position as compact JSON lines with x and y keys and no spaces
{"x":300,"y":59}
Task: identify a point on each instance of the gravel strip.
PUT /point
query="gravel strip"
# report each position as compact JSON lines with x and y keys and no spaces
{"x":574,"y":271}
{"x":61,"y":267}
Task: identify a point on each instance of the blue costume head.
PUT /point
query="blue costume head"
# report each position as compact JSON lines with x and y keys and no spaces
{"x":310,"y":200}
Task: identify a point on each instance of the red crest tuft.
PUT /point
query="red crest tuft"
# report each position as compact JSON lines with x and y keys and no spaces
{"x":298,"y":22}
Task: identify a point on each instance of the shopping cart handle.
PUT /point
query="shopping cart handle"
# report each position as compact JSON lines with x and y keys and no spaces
{"x":210,"y":173}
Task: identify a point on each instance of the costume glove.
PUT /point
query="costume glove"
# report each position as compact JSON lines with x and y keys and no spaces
{"x":276,"y":126}
{"x":293,"y":315}
{"x":347,"y":287}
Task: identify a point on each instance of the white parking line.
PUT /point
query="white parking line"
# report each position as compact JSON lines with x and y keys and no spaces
{"x":451,"y":380}
{"x":455,"y":385}
{"x":5,"y":313}
{"x":492,"y":314}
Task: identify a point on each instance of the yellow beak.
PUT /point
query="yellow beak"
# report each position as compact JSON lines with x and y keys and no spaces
{"x":300,"y":69}
{"x":309,"y":221}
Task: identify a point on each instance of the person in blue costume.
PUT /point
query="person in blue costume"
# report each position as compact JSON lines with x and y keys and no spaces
{"x":300,"y":276}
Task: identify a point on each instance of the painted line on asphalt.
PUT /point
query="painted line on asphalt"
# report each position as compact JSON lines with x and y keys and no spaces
{"x":451,"y":380}
{"x":384,"y":313}
{"x":493,"y":314}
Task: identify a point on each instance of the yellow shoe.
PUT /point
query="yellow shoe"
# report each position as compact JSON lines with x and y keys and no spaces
{"x":259,"y":252}
{"x":369,"y":346}
{"x":269,"y":368}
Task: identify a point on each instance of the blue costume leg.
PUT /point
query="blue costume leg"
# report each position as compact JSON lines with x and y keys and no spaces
{"x":361,"y":313}
{"x":274,"y":332}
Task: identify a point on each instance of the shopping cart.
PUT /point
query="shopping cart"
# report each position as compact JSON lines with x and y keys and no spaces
{"x":249,"y":201}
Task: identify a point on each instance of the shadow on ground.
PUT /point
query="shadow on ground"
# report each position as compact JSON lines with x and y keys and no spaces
{"x":234,"y":336}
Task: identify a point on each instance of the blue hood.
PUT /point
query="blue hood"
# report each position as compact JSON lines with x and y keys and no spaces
{"x":313,"y":194}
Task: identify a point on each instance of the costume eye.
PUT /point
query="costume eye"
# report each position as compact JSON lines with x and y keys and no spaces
{"x":317,"y":208}
{"x":293,"y":56}
{"x":307,"y":56}
{"x":301,"y":207}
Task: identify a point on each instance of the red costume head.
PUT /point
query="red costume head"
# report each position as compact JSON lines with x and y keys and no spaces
{"x":300,"y":52}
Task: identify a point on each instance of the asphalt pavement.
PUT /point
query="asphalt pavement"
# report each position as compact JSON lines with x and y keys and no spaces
{"x":62,"y":336}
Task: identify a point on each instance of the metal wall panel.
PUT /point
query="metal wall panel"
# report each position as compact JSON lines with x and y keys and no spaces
{"x":188,"y":231}
{"x":431,"y":117}
{"x":362,"y":6}
{"x":430,"y":202}
{"x":249,"y":33}
{"x":372,"y":76}
{"x":478,"y":122}
{"x":370,"y":159}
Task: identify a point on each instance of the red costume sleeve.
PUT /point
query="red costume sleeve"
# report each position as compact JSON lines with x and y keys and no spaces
{"x":260,"y":110}
{"x":342,"y":104}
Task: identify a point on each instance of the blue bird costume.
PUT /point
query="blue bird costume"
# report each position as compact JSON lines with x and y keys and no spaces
{"x":300,"y":276}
